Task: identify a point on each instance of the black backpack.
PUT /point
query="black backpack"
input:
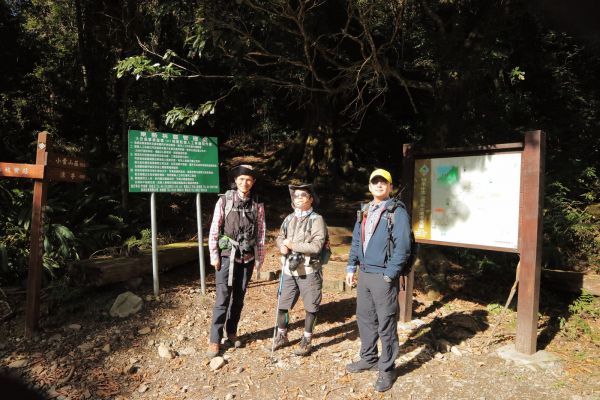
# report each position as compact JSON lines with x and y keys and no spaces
{"x":414,"y":246}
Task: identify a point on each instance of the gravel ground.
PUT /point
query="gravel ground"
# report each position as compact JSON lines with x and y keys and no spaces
{"x":83,"y":353}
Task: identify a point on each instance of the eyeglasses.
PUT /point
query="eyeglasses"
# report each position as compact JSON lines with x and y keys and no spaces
{"x":301,"y":195}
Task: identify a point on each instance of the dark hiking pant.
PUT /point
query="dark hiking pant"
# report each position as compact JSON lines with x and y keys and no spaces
{"x":230,"y":300}
{"x":376,"y":308}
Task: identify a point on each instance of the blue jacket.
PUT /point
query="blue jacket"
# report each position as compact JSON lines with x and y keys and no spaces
{"x":375,"y":260}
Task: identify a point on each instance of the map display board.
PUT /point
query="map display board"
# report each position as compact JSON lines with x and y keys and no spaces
{"x":470,"y":200}
{"x":171,"y":163}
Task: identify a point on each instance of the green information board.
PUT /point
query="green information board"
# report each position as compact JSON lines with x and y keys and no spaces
{"x":171,"y":162}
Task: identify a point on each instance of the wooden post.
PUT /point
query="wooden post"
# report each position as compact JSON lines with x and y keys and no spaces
{"x":34,"y":277}
{"x":405,"y":295}
{"x":530,"y":240}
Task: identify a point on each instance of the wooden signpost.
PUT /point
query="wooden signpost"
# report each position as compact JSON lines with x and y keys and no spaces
{"x":485,"y":198}
{"x":48,"y":167}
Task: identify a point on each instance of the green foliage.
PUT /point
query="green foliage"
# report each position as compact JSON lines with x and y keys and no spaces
{"x":572,"y":232}
{"x":71,"y":230}
{"x":582,"y":311}
{"x":494,"y":309}
{"x":188,"y":116}
{"x":134,"y":244}
{"x":142,"y":66}
{"x":516,"y":75}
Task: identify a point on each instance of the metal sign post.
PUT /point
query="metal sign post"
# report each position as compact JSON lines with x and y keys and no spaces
{"x":200,"y":244}
{"x":154,"y":245}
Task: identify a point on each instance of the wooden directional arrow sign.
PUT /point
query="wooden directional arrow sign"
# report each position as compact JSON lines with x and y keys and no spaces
{"x":59,"y":174}
{"x":13,"y":170}
{"x":48,"y":166}
{"x":60,"y":160}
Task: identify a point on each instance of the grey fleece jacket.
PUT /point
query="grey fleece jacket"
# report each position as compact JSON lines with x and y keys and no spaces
{"x":304,"y":241}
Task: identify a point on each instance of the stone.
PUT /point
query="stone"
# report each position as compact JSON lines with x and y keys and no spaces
{"x":86,"y":346}
{"x":216,"y":363}
{"x":74,"y":327}
{"x":142,"y":388}
{"x":541,"y":358}
{"x":239,"y":370}
{"x":106,"y":348}
{"x":230,"y":396}
{"x":55,"y":338}
{"x":18,"y":364}
{"x":187,"y":351}
{"x":125,"y":305}
{"x":145,"y":330}
{"x":456,"y":351}
{"x":165,"y":352}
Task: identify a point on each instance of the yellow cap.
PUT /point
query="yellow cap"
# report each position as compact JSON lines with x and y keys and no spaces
{"x":381,"y":172}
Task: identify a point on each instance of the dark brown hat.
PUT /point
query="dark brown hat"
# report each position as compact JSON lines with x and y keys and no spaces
{"x":242,"y":169}
{"x":307,"y":187}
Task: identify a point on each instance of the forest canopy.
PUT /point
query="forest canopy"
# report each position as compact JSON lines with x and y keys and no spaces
{"x":325,"y":89}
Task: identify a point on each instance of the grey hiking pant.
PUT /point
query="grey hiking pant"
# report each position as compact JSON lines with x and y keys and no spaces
{"x":309,"y":286}
{"x":376,"y":308}
{"x":230,"y":300}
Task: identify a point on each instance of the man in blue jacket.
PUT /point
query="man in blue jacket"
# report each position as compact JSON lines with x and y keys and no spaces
{"x":380,"y":259}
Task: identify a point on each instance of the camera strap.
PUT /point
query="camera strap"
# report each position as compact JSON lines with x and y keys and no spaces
{"x":235,"y":245}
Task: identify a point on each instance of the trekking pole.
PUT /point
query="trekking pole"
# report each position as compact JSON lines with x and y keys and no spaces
{"x":277,"y":312}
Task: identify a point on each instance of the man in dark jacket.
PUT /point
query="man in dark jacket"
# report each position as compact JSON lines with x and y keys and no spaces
{"x":380,"y":259}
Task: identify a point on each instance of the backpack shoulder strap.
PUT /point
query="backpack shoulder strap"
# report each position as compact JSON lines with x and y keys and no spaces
{"x":228,"y":206}
{"x":391,"y":209}
{"x":286,"y":223}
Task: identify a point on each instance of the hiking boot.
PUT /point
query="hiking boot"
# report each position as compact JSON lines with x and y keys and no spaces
{"x":280,"y":341}
{"x":304,"y":347}
{"x":213,"y":350}
{"x":360,"y":366}
{"x":233,"y":341}
{"x":385,"y":381}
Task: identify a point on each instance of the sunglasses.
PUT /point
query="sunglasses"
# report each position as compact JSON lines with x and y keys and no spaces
{"x":301,"y":195}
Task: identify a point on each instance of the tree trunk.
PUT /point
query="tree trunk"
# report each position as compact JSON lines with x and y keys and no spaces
{"x":319,"y":153}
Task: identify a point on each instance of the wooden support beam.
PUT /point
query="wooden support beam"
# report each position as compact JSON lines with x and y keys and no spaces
{"x":34,"y":276}
{"x":530,"y":240}
{"x":405,"y":295}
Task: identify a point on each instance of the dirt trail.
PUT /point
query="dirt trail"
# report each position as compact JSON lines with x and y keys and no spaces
{"x":83,"y":353}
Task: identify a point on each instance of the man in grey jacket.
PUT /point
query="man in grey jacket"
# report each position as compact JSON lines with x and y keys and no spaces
{"x":380,"y":259}
{"x":300,"y":240}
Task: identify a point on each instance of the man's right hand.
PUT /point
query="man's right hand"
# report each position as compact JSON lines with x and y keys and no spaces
{"x":350,"y":279}
{"x":217,"y":265}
